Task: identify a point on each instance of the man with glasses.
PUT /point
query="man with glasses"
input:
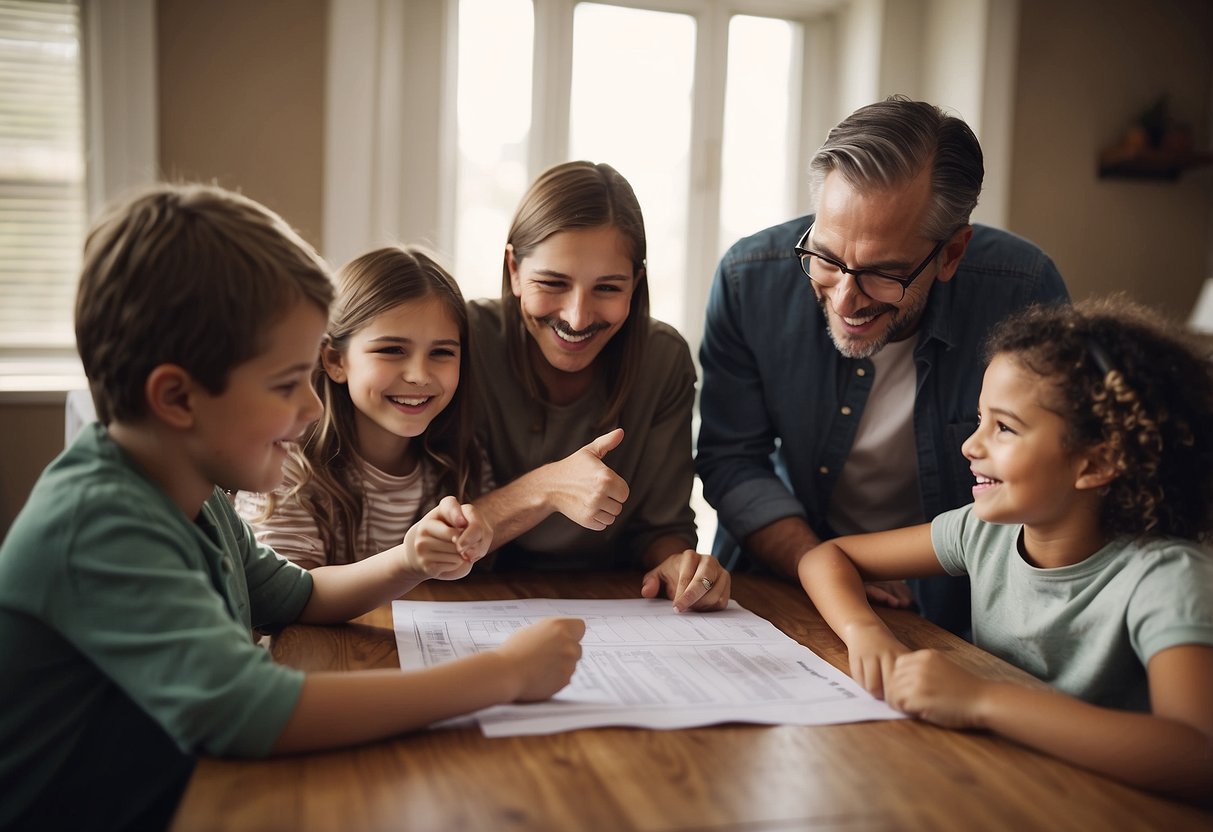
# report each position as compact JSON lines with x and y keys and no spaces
{"x":842,"y":351}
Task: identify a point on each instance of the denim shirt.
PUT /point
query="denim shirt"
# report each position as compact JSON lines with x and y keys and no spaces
{"x":780,"y":406}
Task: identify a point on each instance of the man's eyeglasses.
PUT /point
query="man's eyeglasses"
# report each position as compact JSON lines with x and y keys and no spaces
{"x":827,"y":273}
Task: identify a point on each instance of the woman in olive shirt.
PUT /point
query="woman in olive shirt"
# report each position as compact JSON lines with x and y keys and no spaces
{"x":584,"y":401}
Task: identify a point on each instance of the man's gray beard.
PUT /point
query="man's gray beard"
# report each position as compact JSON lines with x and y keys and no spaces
{"x":902,"y":319}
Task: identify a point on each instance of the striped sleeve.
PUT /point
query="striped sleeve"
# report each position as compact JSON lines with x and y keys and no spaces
{"x":290,"y":531}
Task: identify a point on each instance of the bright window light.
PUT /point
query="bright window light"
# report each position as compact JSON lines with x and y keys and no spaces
{"x":494,"y":113}
{"x":757,"y":190}
{"x":633,"y":72}
{"x":42,"y":202}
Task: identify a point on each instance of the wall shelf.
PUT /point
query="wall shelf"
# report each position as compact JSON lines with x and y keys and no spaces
{"x":1149,"y":163}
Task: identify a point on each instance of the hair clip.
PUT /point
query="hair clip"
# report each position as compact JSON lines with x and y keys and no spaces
{"x":1098,"y":355}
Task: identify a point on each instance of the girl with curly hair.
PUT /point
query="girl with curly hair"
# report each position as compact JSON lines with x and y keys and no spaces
{"x":1093,"y":495}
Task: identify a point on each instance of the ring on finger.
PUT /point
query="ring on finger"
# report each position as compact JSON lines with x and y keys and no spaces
{"x":706,"y":583}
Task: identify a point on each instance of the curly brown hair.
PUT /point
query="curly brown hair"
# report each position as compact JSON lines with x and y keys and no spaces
{"x":1127,"y":377}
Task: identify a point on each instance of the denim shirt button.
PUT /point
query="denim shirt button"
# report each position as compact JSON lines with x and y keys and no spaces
{"x":823,"y":470}
{"x":861,"y":372}
{"x":846,"y":411}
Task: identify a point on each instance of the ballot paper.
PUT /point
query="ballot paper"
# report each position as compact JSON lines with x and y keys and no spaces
{"x":644,"y":665}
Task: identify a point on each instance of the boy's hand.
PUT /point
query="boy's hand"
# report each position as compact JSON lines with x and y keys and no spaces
{"x":873,"y":652}
{"x":446,"y":542}
{"x":544,"y":656}
{"x":682,"y":577}
{"x":928,"y":686}
{"x":584,"y":489}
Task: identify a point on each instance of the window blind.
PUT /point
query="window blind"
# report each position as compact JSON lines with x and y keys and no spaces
{"x":42,"y":190}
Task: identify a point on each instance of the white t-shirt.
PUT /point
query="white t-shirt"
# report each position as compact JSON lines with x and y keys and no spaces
{"x":878,"y":486}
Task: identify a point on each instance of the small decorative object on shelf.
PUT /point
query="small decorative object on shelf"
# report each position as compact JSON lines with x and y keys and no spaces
{"x":1153,"y":147}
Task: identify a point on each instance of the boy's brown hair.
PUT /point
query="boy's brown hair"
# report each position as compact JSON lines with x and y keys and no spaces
{"x":192,"y":275}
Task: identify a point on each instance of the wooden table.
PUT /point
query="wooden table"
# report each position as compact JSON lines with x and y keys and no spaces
{"x":868,"y":776}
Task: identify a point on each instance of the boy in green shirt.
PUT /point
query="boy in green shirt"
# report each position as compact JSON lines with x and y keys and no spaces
{"x":129,"y":588}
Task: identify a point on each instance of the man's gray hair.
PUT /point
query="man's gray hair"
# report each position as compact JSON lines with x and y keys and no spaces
{"x":889,"y":143}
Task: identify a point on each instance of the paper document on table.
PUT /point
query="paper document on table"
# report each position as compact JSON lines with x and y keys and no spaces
{"x":644,"y":665}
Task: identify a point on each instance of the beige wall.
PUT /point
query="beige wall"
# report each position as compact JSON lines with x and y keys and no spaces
{"x":30,"y":436}
{"x":1086,"y":69}
{"x":241,"y":99}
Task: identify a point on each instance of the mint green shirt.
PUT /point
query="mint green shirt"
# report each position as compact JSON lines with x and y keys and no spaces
{"x":120,"y":617}
{"x":1088,"y":629}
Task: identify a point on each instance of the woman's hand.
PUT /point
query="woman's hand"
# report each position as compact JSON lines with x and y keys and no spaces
{"x":693,"y":581}
{"x":584,"y":489}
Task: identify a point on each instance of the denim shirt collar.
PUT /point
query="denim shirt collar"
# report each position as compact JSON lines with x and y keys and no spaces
{"x":937,"y":316}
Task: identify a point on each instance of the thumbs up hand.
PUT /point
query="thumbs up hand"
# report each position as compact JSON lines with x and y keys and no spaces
{"x":606,"y":443}
{"x":584,"y":489}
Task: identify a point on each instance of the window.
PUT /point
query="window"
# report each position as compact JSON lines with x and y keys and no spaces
{"x":494,"y":117}
{"x":42,"y":192}
{"x":699,"y":108}
{"x":758,"y":183}
{"x":632,"y":83}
